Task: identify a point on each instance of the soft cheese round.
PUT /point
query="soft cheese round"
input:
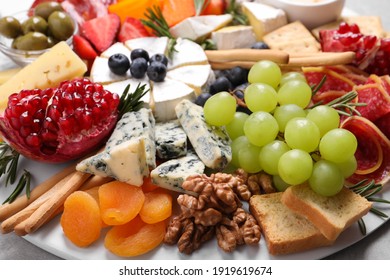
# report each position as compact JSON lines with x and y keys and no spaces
{"x":189,"y":73}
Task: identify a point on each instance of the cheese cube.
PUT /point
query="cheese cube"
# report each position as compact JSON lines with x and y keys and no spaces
{"x":58,"y":64}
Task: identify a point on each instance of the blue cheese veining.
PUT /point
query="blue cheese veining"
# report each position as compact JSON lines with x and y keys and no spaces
{"x":171,"y":140}
{"x":211,"y":144}
{"x":172,"y":173}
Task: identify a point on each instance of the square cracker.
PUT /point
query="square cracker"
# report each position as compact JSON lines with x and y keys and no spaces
{"x":293,"y":37}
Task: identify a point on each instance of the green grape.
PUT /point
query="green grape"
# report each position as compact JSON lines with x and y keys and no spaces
{"x":295,"y":167}
{"x":236,"y":127}
{"x":348,"y":167}
{"x":284,"y":113}
{"x":236,"y":145}
{"x":270,"y":155}
{"x":291,"y":76}
{"x":325,"y":117}
{"x":295,"y":92}
{"x":261,"y":128}
{"x":219,"y":109}
{"x":326,"y":179}
{"x":248,"y":158}
{"x":279,"y":184}
{"x":302,"y":133}
{"x":260,"y":97}
{"x":265,"y":71}
{"x":338,"y":145}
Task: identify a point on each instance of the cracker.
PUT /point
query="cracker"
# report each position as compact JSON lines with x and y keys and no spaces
{"x":292,"y":38}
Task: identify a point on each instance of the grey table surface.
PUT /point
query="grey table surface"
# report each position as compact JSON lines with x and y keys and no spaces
{"x":376,"y":246}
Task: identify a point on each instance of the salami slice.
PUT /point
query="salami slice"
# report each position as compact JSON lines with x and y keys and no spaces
{"x":383,"y":124}
{"x":373,"y":152}
{"x":374,"y":93}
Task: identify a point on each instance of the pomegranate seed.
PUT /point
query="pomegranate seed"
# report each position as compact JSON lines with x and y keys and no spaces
{"x":25,"y":118}
{"x":15,"y":123}
{"x":25,"y":131}
{"x":36,"y":125}
{"x":33,"y":140}
{"x":53,"y":113}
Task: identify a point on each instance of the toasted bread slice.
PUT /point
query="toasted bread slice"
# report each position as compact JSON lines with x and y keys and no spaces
{"x":331,"y":215}
{"x":284,"y":231}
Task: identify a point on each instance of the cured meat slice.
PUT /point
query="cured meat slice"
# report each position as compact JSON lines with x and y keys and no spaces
{"x":373,"y":152}
{"x":375,"y":94}
{"x":383,"y":124}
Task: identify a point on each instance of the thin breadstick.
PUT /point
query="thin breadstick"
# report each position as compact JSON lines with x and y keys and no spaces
{"x":231,"y":64}
{"x":322,"y":59}
{"x":95,"y":181}
{"x":279,"y":57}
{"x":9,"y":209}
{"x":9,"y":224}
{"x":46,"y":210}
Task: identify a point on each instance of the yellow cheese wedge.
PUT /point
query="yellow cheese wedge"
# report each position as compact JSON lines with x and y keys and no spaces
{"x":7,"y":74}
{"x":60,"y":63}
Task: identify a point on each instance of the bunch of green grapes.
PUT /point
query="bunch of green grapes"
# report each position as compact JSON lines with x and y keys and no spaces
{"x":282,"y":136}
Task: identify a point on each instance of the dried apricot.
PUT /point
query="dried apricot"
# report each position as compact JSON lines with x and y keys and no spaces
{"x":81,"y":221}
{"x":94,"y":192}
{"x":148,"y":185}
{"x":157,"y":206}
{"x":119,"y":202}
{"x":134,"y":238}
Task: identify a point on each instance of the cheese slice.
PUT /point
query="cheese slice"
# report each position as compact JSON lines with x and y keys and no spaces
{"x":263,"y":18}
{"x":153,"y":45}
{"x":58,"y":64}
{"x":198,"y":77}
{"x":234,"y":37}
{"x":101,"y":73}
{"x":198,"y":27}
{"x":118,"y":47}
{"x":187,"y":53}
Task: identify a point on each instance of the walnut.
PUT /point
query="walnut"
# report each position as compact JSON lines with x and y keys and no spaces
{"x":216,"y":210}
{"x":260,"y":182}
{"x":193,"y":236}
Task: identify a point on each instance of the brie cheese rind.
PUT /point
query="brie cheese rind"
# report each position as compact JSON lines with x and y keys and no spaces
{"x":188,"y":74}
{"x":198,"y":27}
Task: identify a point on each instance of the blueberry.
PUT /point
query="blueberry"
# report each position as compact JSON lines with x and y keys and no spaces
{"x":202,"y":98}
{"x":243,"y":109}
{"x":260,"y":46}
{"x":220,"y":84}
{"x":157,"y":71}
{"x":239,"y":94}
{"x":119,"y":63}
{"x":158,"y":57}
{"x":138,"y":67}
{"x":136,"y":53}
{"x":237,"y":75}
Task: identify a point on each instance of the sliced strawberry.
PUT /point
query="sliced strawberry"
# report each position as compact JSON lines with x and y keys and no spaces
{"x":132,"y":28}
{"x":83,"y":48}
{"x":101,"y":31}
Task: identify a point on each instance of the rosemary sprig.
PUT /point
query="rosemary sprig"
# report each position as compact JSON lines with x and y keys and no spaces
{"x":367,"y":190}
{"x":156,"y":22}
{"x":131,"y":101}
{"x":9,"y":159}
{"x":235,"y":10}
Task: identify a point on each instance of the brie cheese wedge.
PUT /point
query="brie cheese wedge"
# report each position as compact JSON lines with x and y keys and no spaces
{"x":101,"y":73}
{"x":234,"y":37}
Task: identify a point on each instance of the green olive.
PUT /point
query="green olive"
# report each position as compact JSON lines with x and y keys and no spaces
{"x":32,"y":41}
{"x":52,"y":41}
{"x":61,"y":25}
{"x":15,"y":42}
{"x":35,"y":23}
{"x":45,"y":9}
{"x":10,"y":27}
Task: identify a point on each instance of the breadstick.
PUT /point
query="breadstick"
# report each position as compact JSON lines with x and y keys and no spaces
{"x":47,"y":209}
{"x":321,"y":59}
{"x":9,"y":224}
{"x":9,"y":209}
{"x":279,"y":57}
{"x":231,"y":64}
{"x":95,"y":181}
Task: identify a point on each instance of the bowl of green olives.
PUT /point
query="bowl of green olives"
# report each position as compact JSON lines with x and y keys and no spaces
{"x":25,"y":37}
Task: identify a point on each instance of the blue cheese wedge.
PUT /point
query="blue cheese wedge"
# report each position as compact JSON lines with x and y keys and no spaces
{"x":211,"y":144}
{"x":136,"y":125}
{"x":171,"y":174}
{"x":171,"y":140}
{"x":125,"y":162}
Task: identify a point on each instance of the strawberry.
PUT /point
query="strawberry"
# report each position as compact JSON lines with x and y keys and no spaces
{"x":101,"y":31}
{"x":132,"y":28}
{"x":83,"y":48}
